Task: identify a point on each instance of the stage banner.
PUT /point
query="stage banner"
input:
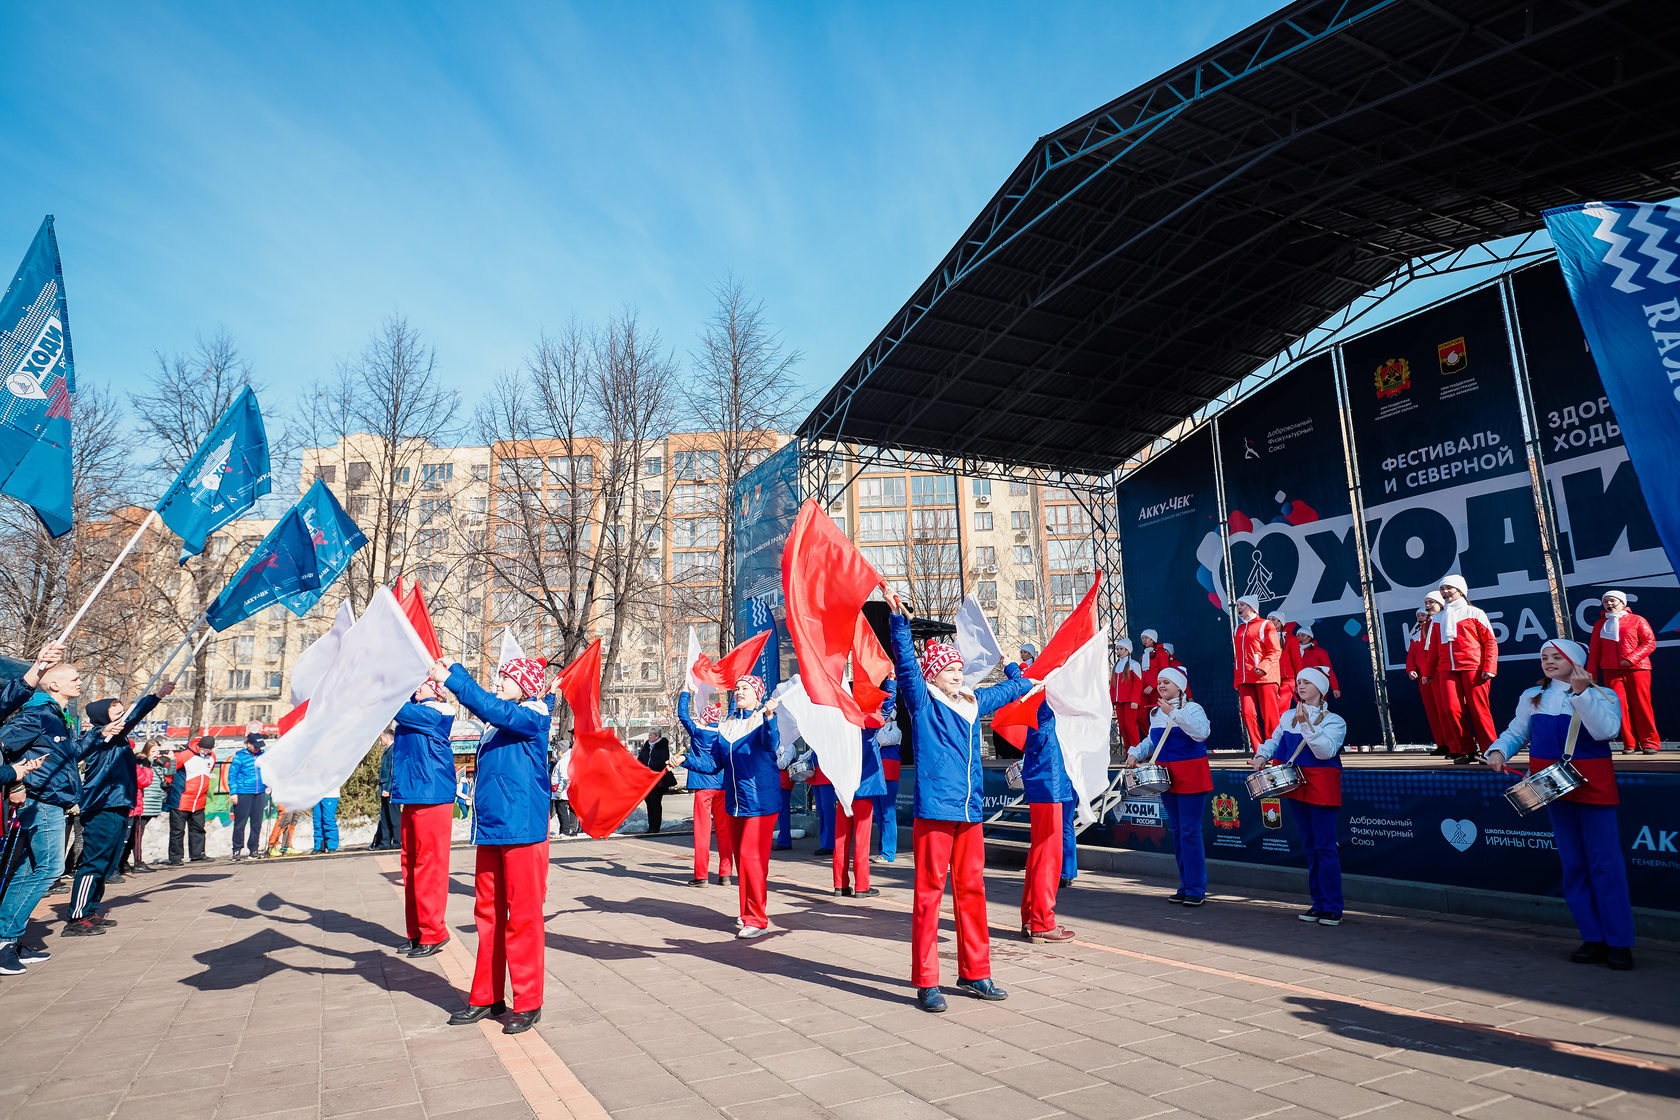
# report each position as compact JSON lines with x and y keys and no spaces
{"x":1292,"y":539}
{"x":1166,"y":511}
{"x":1627,"y":296}
{"x":766,"y":502}
{"x":1422,"y":826}
{"x":1438,"y":438}
{"x":1607,"y":539}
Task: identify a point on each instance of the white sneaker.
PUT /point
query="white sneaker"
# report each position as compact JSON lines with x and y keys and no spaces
{"x":749,"y":932}
{"x":740,"y":923}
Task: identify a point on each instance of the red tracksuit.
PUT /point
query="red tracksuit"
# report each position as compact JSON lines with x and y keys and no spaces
{"x":1314,"y":657}
{"x":1289,"y":665}
{"x":1624,"y":664}
{"x":1427,"y":690}
{"x":1461,"y":699}
{"x":1126,"y":690}
{"x":426,"y":834}
{"x":1256,"y":678}
{"x":709,"y":816}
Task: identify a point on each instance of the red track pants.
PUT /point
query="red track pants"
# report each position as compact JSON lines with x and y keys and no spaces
{"x":1639,"y":722}
{"x":510,"y":887}
{"x":709,"y":815}
{"x":1044,"y":868}
{"x":944,"y":847}
{"x":1432,"y":712}
{"x":1466,"y":718}
{"x":426,"y":833}
{"x":1129,"y":719}
{"x":1259,"y":711}
{"x":750,"y":837}
{"x":851,"y":843}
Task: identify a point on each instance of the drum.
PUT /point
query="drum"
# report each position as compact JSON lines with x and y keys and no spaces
{"x":1543,"y":787}
{"x":1269,"y":781}
{"x":1150,"y":776}
{"x":1012,"y":776}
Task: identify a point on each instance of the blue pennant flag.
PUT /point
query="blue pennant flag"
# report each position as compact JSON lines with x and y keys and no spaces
{"x":283,"y":564}
{"x":1621,"y":263}
{"x":40,"y":379}
{"x":222,"y":481}
{"x":336,"y":539}
{"x":755,"y":618}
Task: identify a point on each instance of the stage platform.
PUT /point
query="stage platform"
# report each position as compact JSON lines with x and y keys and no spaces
{"x":1668,"y":762}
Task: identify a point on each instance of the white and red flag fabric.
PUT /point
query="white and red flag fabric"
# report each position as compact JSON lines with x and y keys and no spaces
{"x":378,"y":663}
{"x":706,"y":677}
{"x":414,"y":606}
{"x":976,"y":642}
{"x":313,"y":663}
{"x":606,"y":782}
{"x":825,"y":582}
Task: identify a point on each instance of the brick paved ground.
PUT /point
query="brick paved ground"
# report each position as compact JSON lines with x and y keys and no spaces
{"x":270,"y":990}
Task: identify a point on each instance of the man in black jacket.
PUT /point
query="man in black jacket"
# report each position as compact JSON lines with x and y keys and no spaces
{"x":388,"y":833}
{"x":655,"y":754}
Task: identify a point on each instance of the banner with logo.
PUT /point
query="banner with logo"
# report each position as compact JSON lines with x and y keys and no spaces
{"x":1292,"y":539}
{"x":39,"y":375}
{"x":1166,"y":511}
{"x":1438,"y":438}
{"x":766,"y":502}
{"x":1607,"y":539}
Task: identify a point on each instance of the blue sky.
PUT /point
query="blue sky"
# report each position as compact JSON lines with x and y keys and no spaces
{"x":296,"y":172}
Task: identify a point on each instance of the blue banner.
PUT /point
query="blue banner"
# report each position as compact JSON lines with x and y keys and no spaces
{"x":223,"y":480}
{"x":284,"y":564}
{"x":40,"y":380}
{"x":766,"y":501}
{"x":336,"y":539}
{"x":1619,"y":261}
{"x":755,"y":618}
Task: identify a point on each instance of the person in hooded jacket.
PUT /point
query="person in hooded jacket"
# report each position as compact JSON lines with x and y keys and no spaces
{"x":510,"y":827}
{"x":110,"y":788}
{"x":1619,"y":654}
{"x":189,"y":793}
{"x":947,"y":834}
{"x":1050,"y":798}
{"x":423,"y":790}
{"x":852,"y":832}
{"x":752,"y":759}
{"x":247,"y":796}
{"x":1567,"y":716}
{"x":1462,"y":658}
{"x":1310,"y":736}
{"x":704,"y":762}
{"x":1178,"y":729}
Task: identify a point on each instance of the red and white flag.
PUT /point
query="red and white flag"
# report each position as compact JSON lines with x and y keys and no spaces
{"x":313,"y":663}
{"x":414,"y":606}
{"x":706,"y":677}
{"x":606,"y":781}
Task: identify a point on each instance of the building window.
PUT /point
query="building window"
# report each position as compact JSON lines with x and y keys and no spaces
{"x":1020,"y":519}
{"x":399,"y":509}
{"x":358,"y":505}
{"x":1069,"y":552}
{"x":238,"y":680}
{"x":708,"y":634}
{"x":579,"y":469}
{"x":1066,"y":521}
{"x":651,"y":567}
{"x":875,"y":493}
{"x":688,"y":566}
{"x":277,"y":647}
{"x":982,"y":522}
{"x":933,"y":490}
{"x":937,"y":523}
{"x":478,"y":505}
{"x":326,"y":474}
{"x":429,"y":540}
{"x":653,"y":465}
{"x":889,"y":560}
{"x":433,"y":507}
{"x":1022,"y":553}
{"x":1056,"y":494}
{"x":244,"y":648}
{"x":481,"y":472}
{"x":1026,"y":625}
{"x":695,"y":464}
{"x":271,"y":680}
{"x":840,"y":524}
{"x":650,"y":671}
{"x":1017,"y":489}
{"x":986,"y":555}
{"x":982,"y":486}
{"x":227,"y":712}
{"x":695,"y":532}
{"x":358,"y":474}
{"x":434,"y":473}
{"x":261,"y":713}
{"x":888,"y":526}
{"x":1023,"y":589}
{"x":689,"y":497}
{"x":985,"y":590}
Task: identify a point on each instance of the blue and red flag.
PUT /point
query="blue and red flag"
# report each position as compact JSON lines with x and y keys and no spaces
{"x":223,"y":480}
{"x":39,"y":379}
{"x":336,"y":539}
{"x":283,"y":565}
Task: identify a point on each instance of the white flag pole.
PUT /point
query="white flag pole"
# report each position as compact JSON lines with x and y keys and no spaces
{"x":191,"y":657}
{"x":182,"y":644}
{"x":109,"y":572}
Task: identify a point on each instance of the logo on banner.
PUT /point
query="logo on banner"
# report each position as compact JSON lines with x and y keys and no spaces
{"x":1249,"y":451}
{"x":1225,"y":812}
{"x":40,"y":357}
{"x":1453,"y":356}
{"x":1460,"y":834}
{"x":1271,"y":812}
{"x":1392,"y":377}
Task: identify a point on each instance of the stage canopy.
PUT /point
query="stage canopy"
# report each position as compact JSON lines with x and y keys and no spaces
{"x":1145,"y":258}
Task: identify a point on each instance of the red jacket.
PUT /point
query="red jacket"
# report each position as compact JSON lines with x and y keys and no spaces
{"x":1316,"y":658}
{"x":1257,"y":653}
{"x":1158,"y":659}
{"x":1634,"y":643}
{"x":1473,"y":649}
{"x":1126,"y":688}
{"x":1291,"y":661}
{"x":192,"y":777}
{"x":1414,"y":654}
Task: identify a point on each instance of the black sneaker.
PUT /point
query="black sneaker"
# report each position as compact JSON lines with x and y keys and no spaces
{"x":1590,"y":952}
{"x":1192,"y":900}
{"x":32,"y":954}
{"x":1176,"y":896}
{"x":870,"y":893}
{"x":9,"y":963}
{"x":1312,"y":915}
{"x":115,"y":879}
{"x":172,"y":863}
{"x":1329,"y":919}
{"x":79,"y":927}
{"x":101,"y":920}
{"x":1619,"y":958}
{"x":1066,"y":883}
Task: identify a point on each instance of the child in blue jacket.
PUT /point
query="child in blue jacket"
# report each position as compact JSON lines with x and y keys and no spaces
{"x":510,"y":827}
{"x":423,"y":787}
{"x":704,"y":763}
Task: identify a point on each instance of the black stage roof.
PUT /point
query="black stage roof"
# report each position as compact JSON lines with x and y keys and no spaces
{"x":1142,"y":260}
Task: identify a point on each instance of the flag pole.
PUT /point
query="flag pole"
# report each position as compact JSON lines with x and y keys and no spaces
{"x":170,"y":660}
{"x":208,"y":634}
{"x":109,"y":572}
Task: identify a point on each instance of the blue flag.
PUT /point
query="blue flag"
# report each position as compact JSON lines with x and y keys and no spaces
{"x":39,"y":378}
{"x":222,"y":481}
{"x":283,"y":565}
{"x":1621,"y":262}
{"x":336,"y":539}
{"x":754,"y":619}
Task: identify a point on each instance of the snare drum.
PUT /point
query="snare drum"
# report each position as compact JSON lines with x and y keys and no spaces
{"x":1543,"y":787}
{"x":1151,"y":777}
{"x":1269,"y":781}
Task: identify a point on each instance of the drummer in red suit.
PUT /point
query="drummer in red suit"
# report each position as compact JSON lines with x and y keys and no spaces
{"x":1180,"y":727}
{"x":1127,"y":693}
{"x":1289,"y":661}
{"x":1312,"y":656}
{"x":1310,"y":736}
{"x":1620,"y":656}
{"x":1414,"y":670}
{"x":1584,"y":821}
{"x":1461,"y":659}
{"x":1256,"y":676}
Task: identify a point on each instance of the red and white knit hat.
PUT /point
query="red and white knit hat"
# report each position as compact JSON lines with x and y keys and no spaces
{"x":938,"y":657}
{"x":711,"y":715}
{"x":754,"y":683}
{"x":526,"y":672}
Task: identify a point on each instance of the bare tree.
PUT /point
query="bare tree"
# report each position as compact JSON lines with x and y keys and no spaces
{"x":740,"y":387}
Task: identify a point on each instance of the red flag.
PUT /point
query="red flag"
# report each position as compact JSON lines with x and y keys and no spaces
{"x":734,"y":665}
{"x":607,"y":782}
{"x":414,"y":606}
{"x":1012,"y":721}
{"x":825,"y":581}
{"x":286,"y":722}
{"x":870,"y":666}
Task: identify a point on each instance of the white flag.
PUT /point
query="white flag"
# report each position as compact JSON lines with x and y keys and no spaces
{"x":379,"y":664}
{"x":1078,"y":694}
{"x":313,"y":662}
{"x":976,"y":642}
{"x":702,"y":691}
{"x":826,"y":730}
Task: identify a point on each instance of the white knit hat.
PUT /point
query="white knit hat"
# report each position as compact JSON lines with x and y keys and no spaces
{"x":1318,"y":678}
{"x":1176,"y":676}
{"x":1150,"y":634}
{"x":1303,"y":631}
{"x":1616,"y":595}
{"x":1252,"y":602}
{"x":1456,"y":581}
{"x":1575,"y":651}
